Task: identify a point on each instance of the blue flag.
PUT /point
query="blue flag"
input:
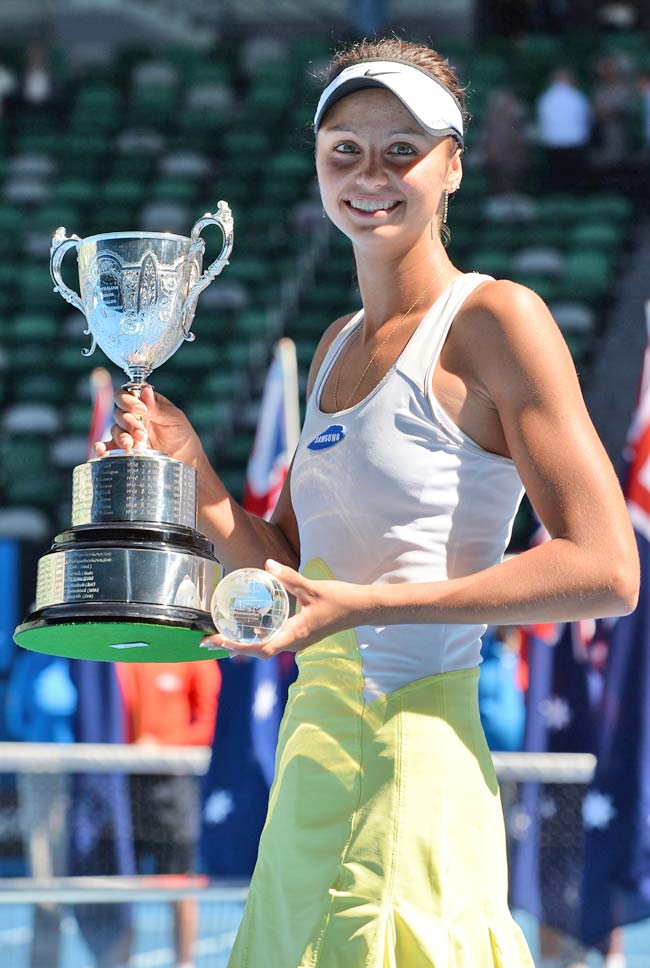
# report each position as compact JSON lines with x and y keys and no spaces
{"x":616,"y":888}
{"x":100,"y":828}
{"x":546,"y":822}
{"x":236,"y":786}
{"x":253,"y":693}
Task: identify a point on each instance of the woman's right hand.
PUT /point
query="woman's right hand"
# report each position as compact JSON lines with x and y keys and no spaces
{"x":167,"y":427}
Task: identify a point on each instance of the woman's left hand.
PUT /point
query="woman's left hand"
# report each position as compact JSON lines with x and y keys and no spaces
{"x":325,"y":607}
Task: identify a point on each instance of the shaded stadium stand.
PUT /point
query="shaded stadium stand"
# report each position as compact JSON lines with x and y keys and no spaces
{"x":153,"y":140}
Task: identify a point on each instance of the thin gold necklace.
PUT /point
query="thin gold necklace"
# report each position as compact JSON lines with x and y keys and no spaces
{"x":372,"y":358}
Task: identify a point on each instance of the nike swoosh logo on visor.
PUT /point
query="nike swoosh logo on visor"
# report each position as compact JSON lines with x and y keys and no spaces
{"x":371,"y":73}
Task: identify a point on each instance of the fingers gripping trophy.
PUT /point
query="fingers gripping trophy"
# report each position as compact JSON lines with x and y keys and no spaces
{"x":132,"y":578}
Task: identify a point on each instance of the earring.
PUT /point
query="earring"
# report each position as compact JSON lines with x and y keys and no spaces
{"x":445,"y":212}
{"x":322,"y":213}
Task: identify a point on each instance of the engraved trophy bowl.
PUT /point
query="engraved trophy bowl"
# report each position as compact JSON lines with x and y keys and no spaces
{"x":132,"y":578}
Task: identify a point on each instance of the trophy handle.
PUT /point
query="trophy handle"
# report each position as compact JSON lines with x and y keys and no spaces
{"x":223,"y":218}
{"x":60,"y":245}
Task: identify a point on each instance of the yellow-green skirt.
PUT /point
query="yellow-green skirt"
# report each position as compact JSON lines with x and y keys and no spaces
{"x":384,"y":843}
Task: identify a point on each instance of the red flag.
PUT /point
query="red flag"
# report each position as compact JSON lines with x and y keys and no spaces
{"x":101,"y":390}
{"x":276,"y":437}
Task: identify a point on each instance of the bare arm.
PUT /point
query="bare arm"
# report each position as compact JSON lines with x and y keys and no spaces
{"x":240,"y":539}
{"x":589,"y":567}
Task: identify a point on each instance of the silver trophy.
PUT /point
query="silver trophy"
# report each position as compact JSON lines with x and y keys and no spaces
{"x":132,"y":578}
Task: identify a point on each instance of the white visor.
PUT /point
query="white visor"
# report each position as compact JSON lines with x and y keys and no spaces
{"x":432,"y":105}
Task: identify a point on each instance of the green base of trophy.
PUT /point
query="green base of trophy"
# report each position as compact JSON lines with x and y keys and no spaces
{"x":116,"y":642}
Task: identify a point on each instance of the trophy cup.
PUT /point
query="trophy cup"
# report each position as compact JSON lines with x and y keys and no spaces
{"x":132,"y":578}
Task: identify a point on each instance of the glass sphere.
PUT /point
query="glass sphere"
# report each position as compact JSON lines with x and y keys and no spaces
{"x":249,"y":605}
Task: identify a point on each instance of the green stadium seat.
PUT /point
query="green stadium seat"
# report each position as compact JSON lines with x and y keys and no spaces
{"x":40,"y":388}
{"x":208,"y":417}
{"x":607,"y":206}
{"x":586,"y":276}
{"x":175,"y":189}
{"x":77,"y":418}
{"x":595,"y":235}
{"x":32,"y":327}
{"x":253,"y":323}
{"x":490,"y":261}
{"x":560,"y":208}
{"x":117,"y":192}
{"x":34,"y":286}
{"x":221,"y":385}
{"x":74,"y":191}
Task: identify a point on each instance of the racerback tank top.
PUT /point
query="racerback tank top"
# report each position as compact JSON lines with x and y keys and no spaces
{"x":391,"y":490}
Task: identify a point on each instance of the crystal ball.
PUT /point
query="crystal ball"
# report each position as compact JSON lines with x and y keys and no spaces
{"x":249,"y":605}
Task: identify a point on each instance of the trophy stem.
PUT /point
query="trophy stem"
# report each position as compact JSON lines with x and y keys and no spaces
{"x":136,"y":387}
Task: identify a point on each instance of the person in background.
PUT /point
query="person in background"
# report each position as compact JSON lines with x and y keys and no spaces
{"x":643,"y":88}
{"x":504,"y":141}
{"x":7,"y":88}
{"x":500,"y":698}
{"x":564,"y":121}
{"x":36,"y":87}
{"x":613,"y":106}
{"x":170,"y":704}
{"x":41,"y":700}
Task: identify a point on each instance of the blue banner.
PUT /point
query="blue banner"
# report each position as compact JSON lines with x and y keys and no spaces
{"x":9,"y":600}
{"x":100,"y":827}
{"x":616,"y":888}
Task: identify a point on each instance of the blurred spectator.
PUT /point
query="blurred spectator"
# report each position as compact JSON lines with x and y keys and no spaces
{"x":172,"y":704}
{"x":40,"y":704}
{"x":7,"y":87}
{"x":36,"y":89}
{"x":613,"y":107}
{"x":549,"y":15}
{"x":643,"y":87}
{"x":501,"y":699}
{"x":504,"y":141}
{"x":564,"y":120}
{"x":368,"y":16}
{"x":507,"y":18}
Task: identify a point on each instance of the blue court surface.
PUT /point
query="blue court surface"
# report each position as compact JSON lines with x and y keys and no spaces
{"x":153,"y":946}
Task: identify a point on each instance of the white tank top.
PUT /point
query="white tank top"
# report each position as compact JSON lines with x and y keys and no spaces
{"x":391,"y":490}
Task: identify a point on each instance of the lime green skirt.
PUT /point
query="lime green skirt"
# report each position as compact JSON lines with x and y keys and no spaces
{"x":384,"y":843}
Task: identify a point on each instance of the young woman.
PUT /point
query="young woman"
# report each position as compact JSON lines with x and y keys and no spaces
{"x":429,"y":410}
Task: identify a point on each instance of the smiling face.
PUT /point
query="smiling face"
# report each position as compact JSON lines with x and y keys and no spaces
{"x":382,"y":177}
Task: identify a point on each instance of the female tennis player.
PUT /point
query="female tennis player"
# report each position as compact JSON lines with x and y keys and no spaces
{"x":429,"y":410}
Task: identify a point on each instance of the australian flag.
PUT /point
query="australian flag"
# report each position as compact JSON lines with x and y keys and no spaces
{"x":253,"y":692}
{"x":616,"y":887}
{"x":545,"y":820}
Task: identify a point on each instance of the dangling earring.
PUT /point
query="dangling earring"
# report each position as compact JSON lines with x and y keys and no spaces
{"x":322,"y":213}
{"x":445,"y":234}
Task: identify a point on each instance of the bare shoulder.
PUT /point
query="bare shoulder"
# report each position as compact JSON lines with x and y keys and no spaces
{"x":506,"y":328}
{"x":324,"y":344}
{"x":507,"y":306}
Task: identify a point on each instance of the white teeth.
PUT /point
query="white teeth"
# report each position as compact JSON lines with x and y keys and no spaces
{"x":372,"y":205}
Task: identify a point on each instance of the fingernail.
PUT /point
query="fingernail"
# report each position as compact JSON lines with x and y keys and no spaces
{"x":273,"y":566}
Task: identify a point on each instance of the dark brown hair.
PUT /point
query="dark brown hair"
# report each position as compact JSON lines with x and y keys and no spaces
{"x":394,"y":48}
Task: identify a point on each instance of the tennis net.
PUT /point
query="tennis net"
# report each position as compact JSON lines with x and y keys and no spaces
{"x":49,"y":802}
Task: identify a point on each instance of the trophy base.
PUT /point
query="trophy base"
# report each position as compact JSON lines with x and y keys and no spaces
{"x":115,"y":632}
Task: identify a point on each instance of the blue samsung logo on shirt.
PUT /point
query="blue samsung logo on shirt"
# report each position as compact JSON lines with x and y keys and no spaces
{"x":330,"y":436}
